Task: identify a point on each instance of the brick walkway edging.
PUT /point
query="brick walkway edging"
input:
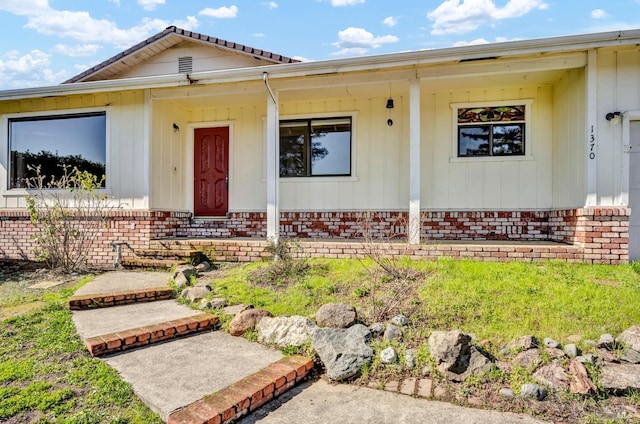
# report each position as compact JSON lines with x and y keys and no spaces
{"x":245,"y":395}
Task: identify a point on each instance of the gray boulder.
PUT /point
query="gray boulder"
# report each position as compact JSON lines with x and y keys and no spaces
{"x":187,"y":271}
{"x":410,"y":358}
{"x":454,"y":355}
{"x":571,"y":350}
{"x":246,"y":320}
{"x":392,"y":332}
{"x":285,"y":331}
{"x":377,"y":329}
{"x":529,"y":359}
{"x":336,"y":315}
{"x":181,"y":281}
{"x":630,"y":356}
{"x":554,"y":376}
{"x":620,"y":377}
{"x":506,"y":393}
{"x":203,"y":266}
{"x":550,"y":343}
{"x":388,"y":356}
{"x":631,"y":338}
{"x":399,"y":320}
{"x":342,"y":351}
{"x":523,"y":343}
{"x":606,"y":341}
{"x":195,"y":293}
{"x":533,"y":391}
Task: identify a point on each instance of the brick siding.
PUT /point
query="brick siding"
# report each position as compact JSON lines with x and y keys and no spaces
{"x":594,"y":235}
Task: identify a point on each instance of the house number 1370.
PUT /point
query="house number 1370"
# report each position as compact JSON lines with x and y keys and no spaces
{"x":592,"y":144}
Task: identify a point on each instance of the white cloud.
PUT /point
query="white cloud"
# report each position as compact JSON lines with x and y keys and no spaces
{"x":116,"y":2}
{"x":258,"y":34}
{"x":271,"y":4}
{"x":345,"y":2}
{"x":190,"y":24}
{"x":150,"y":4}
{"x":359,"y":41}
{"x":302,"y":59}
{"x":462,"y":16}
{"x":390,"y":21}
{"x":24,"y":7}
{"x":598,"y":14}
{"x":220,"y":13}
{"x":479,"y":41}
{"x":81,"y":50}
{"x":29,"y":70}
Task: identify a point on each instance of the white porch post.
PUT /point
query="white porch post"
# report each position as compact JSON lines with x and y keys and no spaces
{"x":414,"y":162}
{"x":273,"y":166}
{"x":592,"y":128}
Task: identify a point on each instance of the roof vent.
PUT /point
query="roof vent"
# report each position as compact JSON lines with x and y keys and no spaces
{"x":185,"y":65}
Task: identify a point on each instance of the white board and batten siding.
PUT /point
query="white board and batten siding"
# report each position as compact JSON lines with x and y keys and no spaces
{"x":125,"y":142}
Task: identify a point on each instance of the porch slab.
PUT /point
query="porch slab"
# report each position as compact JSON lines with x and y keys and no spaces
{"x":114,"y":281}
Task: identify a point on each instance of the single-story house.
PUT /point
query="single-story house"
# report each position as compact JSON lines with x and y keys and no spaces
{"x":201,"y":138}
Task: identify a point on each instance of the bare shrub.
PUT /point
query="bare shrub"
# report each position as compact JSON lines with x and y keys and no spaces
{"x":288,"y":264}
{"x":68,"y":214}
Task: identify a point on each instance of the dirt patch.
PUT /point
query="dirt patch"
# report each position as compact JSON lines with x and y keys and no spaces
{"x":610,"y":283}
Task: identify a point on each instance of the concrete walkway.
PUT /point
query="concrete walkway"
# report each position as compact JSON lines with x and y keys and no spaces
{"x":180,"y":373}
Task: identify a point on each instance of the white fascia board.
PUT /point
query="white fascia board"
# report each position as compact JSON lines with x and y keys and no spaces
{"x":335,"y":66}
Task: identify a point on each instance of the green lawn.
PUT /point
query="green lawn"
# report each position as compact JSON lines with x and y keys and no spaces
{"x":46,"y":374}
{"x":496,"y":301}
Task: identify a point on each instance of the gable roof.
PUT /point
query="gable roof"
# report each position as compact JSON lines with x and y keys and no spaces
{"x":164,"y":40}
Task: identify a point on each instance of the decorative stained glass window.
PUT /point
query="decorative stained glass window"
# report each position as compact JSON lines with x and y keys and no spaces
{"x":491,"y":131}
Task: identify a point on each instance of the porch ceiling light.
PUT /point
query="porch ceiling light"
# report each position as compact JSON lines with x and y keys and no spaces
{"x":389,"y":103}
{"x":614,"y":118}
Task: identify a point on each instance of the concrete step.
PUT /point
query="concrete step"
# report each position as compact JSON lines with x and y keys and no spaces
{"x":119,"y":297}
{"x":142,"y":336}
{"x":245,"y":395}
{"x":150,"y":263}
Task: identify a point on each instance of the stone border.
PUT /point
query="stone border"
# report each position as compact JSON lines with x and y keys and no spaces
{"x":246,"y":395}
{"x":142,"y":336}
{"x":121,"y":297}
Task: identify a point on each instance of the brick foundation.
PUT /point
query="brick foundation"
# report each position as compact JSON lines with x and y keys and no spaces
{"x":600,"y":235}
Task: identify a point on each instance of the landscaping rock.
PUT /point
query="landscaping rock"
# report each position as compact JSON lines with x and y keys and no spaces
{"x":204,"y":266}
{"x":181,"y":281}
{"x":246,"y":320}
{"x":218,"y":303}
{"x":606,"y":341}
{"x":342,"y":351}
{"x":533,"y":391}
{"x":620,"y":377}
{"x":399,"y":320}
{"x":571,"y":350}
{"x":631,"y":356}
{"x":234,"y":310}
{"x":392,"y":332}
{"x":377,"y":329}
{"x":523,"y":343}
{"x":574,"y":338}
{"x":187,"y":271}
{"x":554,"y":376}
{"x":529,"y":359}
{"x":550,"y":343}
{"x":580,"y":383}
{"x":455,"y":357}
{"x":555,"y":353}
{"x":388,"y":356}
{"x":195,"y":293}
{"x":507,"y":393}
{"x":285,"y":331}
{"x":336,"y":315}
{"x":588,"y":358}
{"x":631,"y":338}
{"x":410,"y":358}
{"x":607,"y":356}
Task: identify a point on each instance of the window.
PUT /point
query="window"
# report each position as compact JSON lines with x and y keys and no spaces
{"x":315,"y":147}
{"x":51,"y":142}
{"x":491,"y":131}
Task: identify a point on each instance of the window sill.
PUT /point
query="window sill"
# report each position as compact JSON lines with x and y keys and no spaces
{"x":22,"y":192}
{"x":289,"y":180}
{"x":492,"y":159}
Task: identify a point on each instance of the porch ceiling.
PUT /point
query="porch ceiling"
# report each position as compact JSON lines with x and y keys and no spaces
{"x":343,"y":86}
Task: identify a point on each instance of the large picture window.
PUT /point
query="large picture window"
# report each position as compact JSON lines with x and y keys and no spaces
{"x":491,"y":131}
{"x":52,"y":142}
{"x":315,"y":147}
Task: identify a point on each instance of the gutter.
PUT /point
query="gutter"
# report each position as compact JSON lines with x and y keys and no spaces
{"x":335,"y":66}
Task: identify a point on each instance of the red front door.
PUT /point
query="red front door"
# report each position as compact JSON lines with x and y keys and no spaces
{"x":211,"y":169}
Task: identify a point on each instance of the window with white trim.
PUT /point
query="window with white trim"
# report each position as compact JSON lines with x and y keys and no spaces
{"x":55,"y":141}
{"x":491,"y":131}
{"x":317,"y":147}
